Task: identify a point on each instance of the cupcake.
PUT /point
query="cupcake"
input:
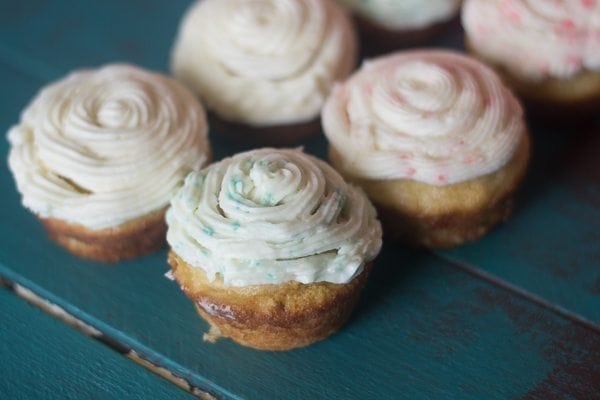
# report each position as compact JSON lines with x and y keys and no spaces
{"x":272,"y":246}
{"x":386,"y":25}
{"x":97,"y":156}
{"x":264,"y":68}
{"x":548,"y":52}
{"x":436,"y":141}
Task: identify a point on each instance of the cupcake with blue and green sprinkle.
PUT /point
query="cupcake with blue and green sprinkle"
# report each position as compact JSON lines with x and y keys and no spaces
{"x":272,"y":246}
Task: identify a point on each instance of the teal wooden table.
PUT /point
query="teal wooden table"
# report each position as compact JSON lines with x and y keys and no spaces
{"x":515,"y":315}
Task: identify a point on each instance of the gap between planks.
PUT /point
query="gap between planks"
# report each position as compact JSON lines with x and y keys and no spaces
{"x":518,"y":291}
{"x":88,"y":330}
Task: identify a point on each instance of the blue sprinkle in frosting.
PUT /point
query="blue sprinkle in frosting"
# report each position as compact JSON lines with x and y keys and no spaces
{"x":267,"y":199}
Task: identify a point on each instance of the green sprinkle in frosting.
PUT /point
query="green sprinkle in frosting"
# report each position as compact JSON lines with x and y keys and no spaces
{"x":235,"y":225}
{"x":231,"y":197}
{"x":208,"y":231}
{"x":267,"y":199}
{"x":199,"y":180}
{"x":237,"y":184}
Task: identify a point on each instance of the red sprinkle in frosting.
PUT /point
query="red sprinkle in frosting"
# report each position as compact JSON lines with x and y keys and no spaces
{"x":588,"y":3}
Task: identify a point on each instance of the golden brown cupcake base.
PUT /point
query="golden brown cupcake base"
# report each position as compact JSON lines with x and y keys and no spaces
{"x":276,"y":135}
{"x":126,"y":241}
{"x":270,"y":317}
{"x":553,"y":98}
{"x":376,"y":39}
{"x":444,"y":216}
{"x":444,"y":231}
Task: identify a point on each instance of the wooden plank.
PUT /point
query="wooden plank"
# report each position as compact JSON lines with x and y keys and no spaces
{"x":551,"y":246}
{"x":43,"y":358}
{"x":51,"y":37}
{"x":423,"y":329}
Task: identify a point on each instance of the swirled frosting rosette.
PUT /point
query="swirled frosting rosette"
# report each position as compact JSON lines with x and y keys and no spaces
{"x":101,"y":147}
{"x":271,"y":216}
{"x":405,"y":14}
{"x":264,"y":62}
{"x":536,"y":39}
{"x":432,"y":116}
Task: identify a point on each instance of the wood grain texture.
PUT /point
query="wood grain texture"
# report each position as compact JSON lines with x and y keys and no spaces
{"x":424,"y":329}
{"x":43,"y":358}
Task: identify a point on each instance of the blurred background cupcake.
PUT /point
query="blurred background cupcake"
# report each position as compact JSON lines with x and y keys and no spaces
{"x":264,"y":68}
{"x":386,"y":25}
{"x":547,"y":51}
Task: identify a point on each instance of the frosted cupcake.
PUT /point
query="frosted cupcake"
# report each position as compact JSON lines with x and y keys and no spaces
{"x":264,"y":68}
{"x":436,"y":141}
{"x":386,"y":25}
{"x":98,"y":154}
{"x":548,"y":51}
{"x":272,"y":246}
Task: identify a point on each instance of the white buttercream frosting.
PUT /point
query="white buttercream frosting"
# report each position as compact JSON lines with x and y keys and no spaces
{"x":404,"y":14}
{"x":101,"y":147}
{"x":271,"y":216}
{"x":264,"y":62}
{"x":432,"y":116}
{"x":536,"y":39}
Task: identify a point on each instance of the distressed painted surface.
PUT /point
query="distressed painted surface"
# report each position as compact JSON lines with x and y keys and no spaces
{"x":45,"y":359}
{"x":425,"y":329}
{"x":50,"y":37}
{"x":551,"y":247}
